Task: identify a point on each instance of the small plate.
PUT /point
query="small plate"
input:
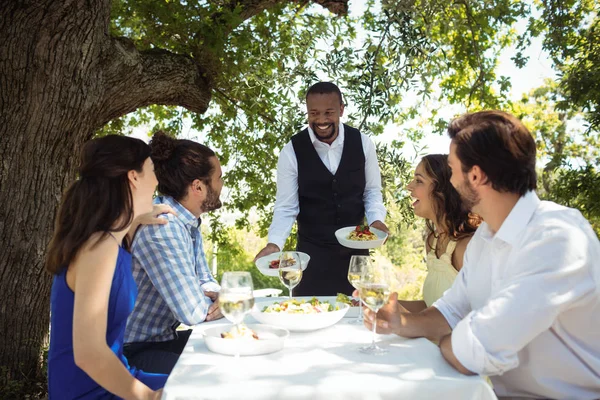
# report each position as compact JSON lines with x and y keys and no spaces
{"x":299,"y":322}
{"x":270,"y":340}
{"x":342,"y":237}
{"x":263,"y":263}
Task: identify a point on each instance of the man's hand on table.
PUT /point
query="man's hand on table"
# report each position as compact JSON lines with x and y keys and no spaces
{"x":214,"y":311}
{"x":270,"y":248}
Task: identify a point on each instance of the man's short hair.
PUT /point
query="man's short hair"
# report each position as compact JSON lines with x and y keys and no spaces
{"x":325,"y":88}
{"x":500,"y":145}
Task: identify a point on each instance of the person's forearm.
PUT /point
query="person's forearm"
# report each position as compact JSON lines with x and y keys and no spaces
{"x":448,"y":354}
{"x":429,"y":323}
{"x":414,"y":306}
{"x":108,"y":371}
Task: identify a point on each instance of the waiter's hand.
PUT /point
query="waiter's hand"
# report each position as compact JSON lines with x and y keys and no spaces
{"x":382,"y":227}
{"x":270,"y":248}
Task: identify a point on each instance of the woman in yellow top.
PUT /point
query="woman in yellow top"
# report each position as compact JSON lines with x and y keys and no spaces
{"x":449,"y":227}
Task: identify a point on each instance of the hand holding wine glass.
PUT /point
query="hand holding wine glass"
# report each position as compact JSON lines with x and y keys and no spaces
{"x":290,"y":269}
{"x":374,"y":292}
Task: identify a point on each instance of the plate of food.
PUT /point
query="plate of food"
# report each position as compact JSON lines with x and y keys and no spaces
{"x":360,"y":237}
{"x":269,"y":265}
{"x":301,"y":314}
{"x":249,"y":340}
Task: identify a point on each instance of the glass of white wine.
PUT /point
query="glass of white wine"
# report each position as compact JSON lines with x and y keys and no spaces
{"x":374,"y":292}
{"x":355,"y":269}
{"x":236,"y":298}
{"x":290,"y":269}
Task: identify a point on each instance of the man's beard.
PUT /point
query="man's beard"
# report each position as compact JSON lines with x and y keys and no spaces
{"x":468,"y":195}
{"x":212,"y":201}
{"x":328,"y":135}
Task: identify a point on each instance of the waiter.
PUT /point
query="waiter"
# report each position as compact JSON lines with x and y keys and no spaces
{"x":327,"y":178}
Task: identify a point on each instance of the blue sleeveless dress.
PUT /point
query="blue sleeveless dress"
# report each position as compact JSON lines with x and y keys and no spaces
{"x":65,"y":379}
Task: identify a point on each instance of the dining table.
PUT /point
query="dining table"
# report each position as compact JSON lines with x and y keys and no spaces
{"x":322,"y":364}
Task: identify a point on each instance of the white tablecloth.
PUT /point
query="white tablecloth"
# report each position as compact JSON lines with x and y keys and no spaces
{"x":324,"y":364}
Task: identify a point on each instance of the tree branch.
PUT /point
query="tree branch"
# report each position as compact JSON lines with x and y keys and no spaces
{"x":250,"y":8}
{"x":136,"y":79}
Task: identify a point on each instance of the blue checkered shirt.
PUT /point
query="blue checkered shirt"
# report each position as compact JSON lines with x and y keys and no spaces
{"x":171,"y":272}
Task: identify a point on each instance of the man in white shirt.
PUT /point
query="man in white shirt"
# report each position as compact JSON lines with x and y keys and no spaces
{"x":327,"y":178}
{"x":525,"y":308}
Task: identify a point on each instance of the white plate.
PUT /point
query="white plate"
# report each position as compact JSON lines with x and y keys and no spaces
{"x":342,"y":237}
{"x":299,"y":322}
{"x":270,"y":340}
{"x":263,"y":263}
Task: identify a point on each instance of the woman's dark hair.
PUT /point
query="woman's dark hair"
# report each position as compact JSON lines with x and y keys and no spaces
{"x":100,"y":200}
{"x":325,"y":88}
{"x":447,"y":205}
{"x":500,"y":145}
{"x":179,"y":162}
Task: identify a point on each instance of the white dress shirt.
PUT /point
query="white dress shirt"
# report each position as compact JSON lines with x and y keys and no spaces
{"x":286,"y":202}
{"x":525,"y":307}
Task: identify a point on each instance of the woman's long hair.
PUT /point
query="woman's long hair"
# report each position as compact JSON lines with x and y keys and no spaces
{"x":447,"y":205}
{"x":100,"y":200}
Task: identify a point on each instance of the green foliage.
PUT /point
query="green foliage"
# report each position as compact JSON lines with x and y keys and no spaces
{"x":571,"y":31}
{"x":580,"y":189}
{"x":563,"y":141}
{"x":235,"y":251}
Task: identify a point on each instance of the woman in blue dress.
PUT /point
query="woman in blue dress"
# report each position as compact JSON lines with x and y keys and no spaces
{"x":93,"y":291}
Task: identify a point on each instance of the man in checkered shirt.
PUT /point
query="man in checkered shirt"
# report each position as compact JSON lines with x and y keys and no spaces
{"x":169,"y":264}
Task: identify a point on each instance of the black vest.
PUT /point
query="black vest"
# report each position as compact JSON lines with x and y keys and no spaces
{"x":329,"y":202}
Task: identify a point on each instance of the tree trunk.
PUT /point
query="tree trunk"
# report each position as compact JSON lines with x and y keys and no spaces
{"x":61,"y":78}
{"x":48,"y":86}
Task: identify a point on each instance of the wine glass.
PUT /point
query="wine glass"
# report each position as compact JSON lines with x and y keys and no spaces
{"x":236,"y":298}
{"x":355,"y":269}
{"x":290,"y":269}
{"x":374,"y":292}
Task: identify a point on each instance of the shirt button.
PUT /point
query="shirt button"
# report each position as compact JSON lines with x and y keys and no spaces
{"x":334,"y":194}
{"x":339,"y":206}
{"x":335,"y":181}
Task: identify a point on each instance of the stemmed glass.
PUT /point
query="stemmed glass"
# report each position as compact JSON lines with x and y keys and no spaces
{"x":355,"y":269}
{"x":290,"y":269}
{"x":374,"y":292}
{"x":236,"y":298}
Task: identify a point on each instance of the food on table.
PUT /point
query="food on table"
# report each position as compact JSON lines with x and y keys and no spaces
{"x":294,"y":306}
{"x":275,"y":263}
{"x":241,"y":332}
{"x":362,"y":233}
{"x":342,"y":298}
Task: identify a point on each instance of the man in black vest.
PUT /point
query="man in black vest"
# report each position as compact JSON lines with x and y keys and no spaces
{"x":327,"y":178}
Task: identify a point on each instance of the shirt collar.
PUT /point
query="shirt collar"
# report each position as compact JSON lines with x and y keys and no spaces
{"x":339,"y":139}
{"x":518,"y":218}
{"x":183,"y":213}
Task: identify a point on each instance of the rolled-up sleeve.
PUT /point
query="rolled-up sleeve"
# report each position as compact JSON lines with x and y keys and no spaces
{"x":553,"y":270}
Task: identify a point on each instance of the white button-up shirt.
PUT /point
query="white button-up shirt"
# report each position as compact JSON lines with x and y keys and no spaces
{"x":286,"y":203}
{"x":525,"y":307}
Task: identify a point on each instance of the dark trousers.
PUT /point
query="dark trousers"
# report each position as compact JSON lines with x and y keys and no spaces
{"x":156,"y":357}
